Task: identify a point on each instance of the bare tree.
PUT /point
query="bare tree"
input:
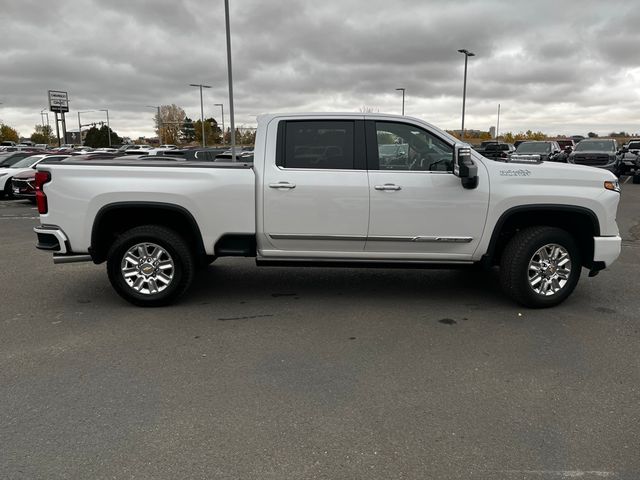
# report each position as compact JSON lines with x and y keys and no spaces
{"x":170,"y":123}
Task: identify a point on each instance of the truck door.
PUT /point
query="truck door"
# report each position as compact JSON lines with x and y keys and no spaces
{"x":419,"y":209}
{"x":316,"y":193}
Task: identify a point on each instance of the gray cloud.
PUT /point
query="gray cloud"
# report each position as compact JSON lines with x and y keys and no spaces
{"x":561,"y":69}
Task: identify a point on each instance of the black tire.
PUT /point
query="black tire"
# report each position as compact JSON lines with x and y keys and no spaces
{"x":515,"y":263}
{"x":7,"y":192}
{"x":636,"y":178}
{"x":178,"y":253}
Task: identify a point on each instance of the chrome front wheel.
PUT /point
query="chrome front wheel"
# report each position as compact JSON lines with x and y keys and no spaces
{"x":549,"y":269}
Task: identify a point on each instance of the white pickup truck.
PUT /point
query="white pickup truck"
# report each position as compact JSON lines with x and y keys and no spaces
{"x":333,"y":189}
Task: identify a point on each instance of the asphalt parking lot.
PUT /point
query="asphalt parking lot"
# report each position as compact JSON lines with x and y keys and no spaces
{"x":278,"y":373}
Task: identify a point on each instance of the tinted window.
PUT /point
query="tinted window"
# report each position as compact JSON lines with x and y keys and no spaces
{"x":55,"y":159}
{"x":319,"y":144}
{"x":407,"y":147}
{"x":533,"y":147}
{"x":595,"y":146}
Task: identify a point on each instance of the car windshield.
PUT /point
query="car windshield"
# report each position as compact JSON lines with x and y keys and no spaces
{"x":634,"y":146}
{"x":26,"y":162}
{"x":533,"y":147}
{"x":595,"y":146}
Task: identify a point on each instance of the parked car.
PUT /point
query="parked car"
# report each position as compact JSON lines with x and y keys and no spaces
{"x":9,"y":158}
{"x":154,"y":225}
{"x":499,"y":151}
{"x":598,"y":152}
{"x":26,"y":164}
{"x":136,"y":149}
{"x":567,"y":144}
{"x":483,"y":145}
{"x":544,"y":150}
{"x":631,"y":159}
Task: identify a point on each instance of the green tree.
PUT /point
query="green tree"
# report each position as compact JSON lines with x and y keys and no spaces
{"x":42,"y":134}
{"x":169,"y":125}
{"x":211,"y":131}
{"x":592,"y":135}
{"x":8,"y":134}
{"x":187,"y":132}
{"x":99,"y":138}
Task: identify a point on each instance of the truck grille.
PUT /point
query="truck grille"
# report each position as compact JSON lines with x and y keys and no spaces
{"x":592,"y":160}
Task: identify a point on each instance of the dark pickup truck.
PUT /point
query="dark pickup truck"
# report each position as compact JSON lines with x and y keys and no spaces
{"x":498,"y":151}
{"x":630,"y":161}
{"x":601,"y":153}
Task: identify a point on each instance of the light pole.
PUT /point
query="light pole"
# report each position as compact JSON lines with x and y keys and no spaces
{"x":467,"y":54}
{"x":498,"y":127}
{"x":159,"y":122}
{"x":230,"y":75}
{"x":44,"y":112}
{"x":222,"y":107}
{"x":108,"y":126}
{"x":80,"y":125}
{"x":402,"y":99}
{"x":199,"y":85}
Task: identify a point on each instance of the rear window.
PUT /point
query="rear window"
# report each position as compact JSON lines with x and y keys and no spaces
{"x":327,"y":144}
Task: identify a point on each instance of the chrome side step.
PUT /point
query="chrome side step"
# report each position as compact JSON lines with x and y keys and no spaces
{"x":58,"y":259}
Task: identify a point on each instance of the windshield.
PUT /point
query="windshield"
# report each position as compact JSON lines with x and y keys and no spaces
{"x":634,"y":146}
{"x":533,"y":147}
{"x":595,"y":146}
{"x":26,"y":162}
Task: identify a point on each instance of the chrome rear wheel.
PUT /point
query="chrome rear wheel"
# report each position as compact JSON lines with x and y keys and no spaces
{"x":147,"y":268}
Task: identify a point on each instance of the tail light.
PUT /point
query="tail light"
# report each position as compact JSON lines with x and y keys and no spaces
{"x":41,"y":198}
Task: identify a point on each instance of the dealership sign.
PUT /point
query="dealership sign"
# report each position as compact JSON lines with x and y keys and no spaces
{"x":58,"y":101}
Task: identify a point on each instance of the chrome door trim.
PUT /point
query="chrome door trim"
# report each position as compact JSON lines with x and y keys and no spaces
{"x":307,"y":236}
{"x":419,"y":239}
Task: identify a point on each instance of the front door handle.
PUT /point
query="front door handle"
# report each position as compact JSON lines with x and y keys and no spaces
{"x":388,"y":187}
{"x":282,"y":185}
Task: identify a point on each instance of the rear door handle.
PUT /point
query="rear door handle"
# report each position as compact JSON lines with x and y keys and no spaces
{"x":282,"y":185}
{"x":388,"y":187}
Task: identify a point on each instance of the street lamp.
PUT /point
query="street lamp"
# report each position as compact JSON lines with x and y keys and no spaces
{"x":402,"y":99}
{"x":108,"y":127}
{"x":200,"y":86}
{"x":159,"y":122}
{"x":222,"y":107}
{"x":467,"y":54}
{"x":230,"y":76}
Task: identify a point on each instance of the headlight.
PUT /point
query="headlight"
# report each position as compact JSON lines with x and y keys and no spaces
{"x":613,"y":185}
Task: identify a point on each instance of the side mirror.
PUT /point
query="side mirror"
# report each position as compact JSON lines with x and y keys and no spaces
{"x":463,"y":166}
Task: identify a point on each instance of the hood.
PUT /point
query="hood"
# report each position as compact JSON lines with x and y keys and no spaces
{"x":551,"y":173}
{"x":592,"y":152}
{"x":25,"y":175}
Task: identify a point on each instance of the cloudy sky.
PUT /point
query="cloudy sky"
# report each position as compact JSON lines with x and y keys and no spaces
{"x":565,"y":67}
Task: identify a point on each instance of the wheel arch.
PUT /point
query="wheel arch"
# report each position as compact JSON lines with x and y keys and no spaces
{"x":581,"y":222}
{"x":115,"y":218}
